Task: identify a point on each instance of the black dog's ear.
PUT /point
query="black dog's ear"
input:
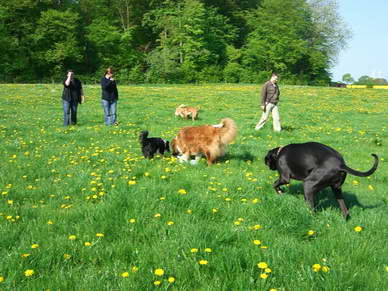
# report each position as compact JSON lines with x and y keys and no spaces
{"x":271,"y":158}
{"x":167,"y":145}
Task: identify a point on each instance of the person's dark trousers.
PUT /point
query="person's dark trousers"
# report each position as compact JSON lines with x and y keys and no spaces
{"x":109,"y":111}
{"x":69,"y":112}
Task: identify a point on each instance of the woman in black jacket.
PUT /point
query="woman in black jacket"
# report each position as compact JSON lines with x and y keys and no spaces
{"x":110,"y":96}
{"x":71,"y":96}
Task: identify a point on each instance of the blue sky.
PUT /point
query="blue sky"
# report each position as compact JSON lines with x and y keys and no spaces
{"x":367,"y":51}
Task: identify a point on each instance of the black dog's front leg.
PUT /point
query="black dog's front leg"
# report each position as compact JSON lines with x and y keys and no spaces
{"x":279,"y":182}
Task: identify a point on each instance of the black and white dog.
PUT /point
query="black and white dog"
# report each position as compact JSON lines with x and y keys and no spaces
{"x":317,"y":165}
{"x":152,"y":145}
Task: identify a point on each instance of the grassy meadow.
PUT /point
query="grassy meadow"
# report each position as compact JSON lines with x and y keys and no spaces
{"x":81,"y":209}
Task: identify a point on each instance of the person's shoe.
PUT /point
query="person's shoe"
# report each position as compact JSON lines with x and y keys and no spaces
{"x":257,"y":128}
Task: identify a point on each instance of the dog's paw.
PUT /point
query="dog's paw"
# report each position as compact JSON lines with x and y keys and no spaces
{"x":181,"y":159}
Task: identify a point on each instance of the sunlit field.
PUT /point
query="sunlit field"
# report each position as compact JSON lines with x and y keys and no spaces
{"x":81,"y":209}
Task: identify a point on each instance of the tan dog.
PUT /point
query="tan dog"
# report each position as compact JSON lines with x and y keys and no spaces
{"x":185,"y":111}
{"x":210,"y":140}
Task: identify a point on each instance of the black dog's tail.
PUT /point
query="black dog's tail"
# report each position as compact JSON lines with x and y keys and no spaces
{"x":362,"y":174}
{"x":143,"y":136}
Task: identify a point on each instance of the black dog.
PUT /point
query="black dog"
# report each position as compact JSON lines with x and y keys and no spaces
{"x":318,"y":165}
{"x":150,"y":146}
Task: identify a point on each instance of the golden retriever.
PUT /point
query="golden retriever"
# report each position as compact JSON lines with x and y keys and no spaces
{"x":185,"y":111}
{"x":209,"y":140}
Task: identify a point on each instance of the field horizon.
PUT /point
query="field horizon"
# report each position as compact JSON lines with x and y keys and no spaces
{"x":81,"y":208}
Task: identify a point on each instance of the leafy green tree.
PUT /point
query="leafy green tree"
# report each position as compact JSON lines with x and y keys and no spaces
{"x":347,"y":78}
{"x":365,"y":80}
{"x":278,"y":40}
{"x":57,"y":45}
{"x":190,"y":36}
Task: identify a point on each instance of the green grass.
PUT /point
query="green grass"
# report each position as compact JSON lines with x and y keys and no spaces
{"x":77,"y":178}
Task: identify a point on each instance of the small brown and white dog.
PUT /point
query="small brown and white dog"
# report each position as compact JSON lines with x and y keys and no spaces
{"x":185,"y":111}
{"x":209,"y":140}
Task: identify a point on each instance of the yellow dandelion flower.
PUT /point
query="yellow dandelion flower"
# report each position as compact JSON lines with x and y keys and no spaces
{"x":169,"y":223}
{"x":273,"y":289}
{"x":2,"y":279}
{"x":256,"y":242}
{"x":189,"y":211}
{"x":146,"y":174}
{"x":72,"y":237}
{"x":203,"y":262}
{"x":208,"y":250}
{"x":134,"y":269}
{"x":262,"y":265}
{"x":159,"y":272}
{"x":100,"y":234}
{"x":325,"y":269}
{"x":29,"y":273}
{"x":263,"y":276}
{"x":267,"y":270}
{"x":370,"y":187}
{"x":34,"y":246}
{"x":132,"y":220}
{"x":386,"y":268}
{"x":316,"y":267}
{"x":311,"y":232}
{"x":256,"y":227}
{"x":25,"y":255}
{"x":358,"y":229}
{"x":214,"y":210}
{"x":182,"y":191}
{"x":194,"y":250}
{"x":10,"y":202}
{"x":171,"y":280}
{"x":66,"y":256}
{"x":50,"y":222}
{"x":157,"y":215}
{"x":125,"y":274}
{"x":237,"y":222}
{"x":157,"y":283}
{"x":132,"y":182}
{"x":87,"y":244}
{"x":227,"y":199}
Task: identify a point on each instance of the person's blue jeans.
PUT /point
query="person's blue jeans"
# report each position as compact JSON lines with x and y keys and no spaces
{"x":110,"y":115}
{"x":69,"y":112}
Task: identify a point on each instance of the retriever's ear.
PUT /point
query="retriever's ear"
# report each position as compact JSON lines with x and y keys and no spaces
{"x":271,"y":158}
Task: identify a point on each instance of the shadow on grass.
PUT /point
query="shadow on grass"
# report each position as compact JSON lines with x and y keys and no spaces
{"x":326,"y":199}
{"x":242,"y":157}
{"x":289,"y":128}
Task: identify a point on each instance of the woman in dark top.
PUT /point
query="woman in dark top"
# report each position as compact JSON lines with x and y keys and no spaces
{"x":71,"y":96}
{"x":110,"y":96}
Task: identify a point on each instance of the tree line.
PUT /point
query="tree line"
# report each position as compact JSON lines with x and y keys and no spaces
{"x":363,"y":80}
{"x":166,"y":41}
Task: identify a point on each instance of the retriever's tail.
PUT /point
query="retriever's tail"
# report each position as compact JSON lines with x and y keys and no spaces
{"x":143,"y":136}
{"x":362,"y":174}
{"x":228,"y":131}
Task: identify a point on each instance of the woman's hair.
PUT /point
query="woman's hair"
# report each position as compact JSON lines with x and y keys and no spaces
{"x":109,"y":71}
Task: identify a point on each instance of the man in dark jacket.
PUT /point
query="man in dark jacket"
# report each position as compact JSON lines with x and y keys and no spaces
{"x":71,"y":96}
{"x":110,"y":96}
{"x":269,"y":103}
